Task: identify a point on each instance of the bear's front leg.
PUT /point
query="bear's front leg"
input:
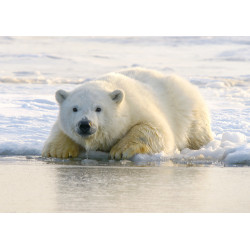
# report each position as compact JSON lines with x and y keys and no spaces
{"x":141,"y":139}
{"x":60,"y":146}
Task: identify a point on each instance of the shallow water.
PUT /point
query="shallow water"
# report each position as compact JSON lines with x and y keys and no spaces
{"x":34,"y":185}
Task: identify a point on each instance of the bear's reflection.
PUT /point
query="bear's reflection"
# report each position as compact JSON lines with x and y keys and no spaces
{"x":129,"y":188}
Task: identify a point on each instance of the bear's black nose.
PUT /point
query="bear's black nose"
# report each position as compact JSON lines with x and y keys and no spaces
{"x":84,"y":126}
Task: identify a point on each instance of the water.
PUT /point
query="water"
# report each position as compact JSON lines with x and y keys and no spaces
{"x":212,"y":179}
{"x":32,"y":185}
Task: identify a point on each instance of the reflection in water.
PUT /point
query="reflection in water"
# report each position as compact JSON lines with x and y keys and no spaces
{"x":33,"y":186}
{"x":127,"y":189}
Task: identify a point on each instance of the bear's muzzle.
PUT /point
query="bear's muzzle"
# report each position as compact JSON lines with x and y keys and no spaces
{"x":86,"y":128}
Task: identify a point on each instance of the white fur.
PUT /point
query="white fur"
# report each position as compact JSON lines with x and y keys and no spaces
{"x":169,"y":104}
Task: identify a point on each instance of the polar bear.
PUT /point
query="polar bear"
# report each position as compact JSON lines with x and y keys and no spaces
{"x":133,"y":111}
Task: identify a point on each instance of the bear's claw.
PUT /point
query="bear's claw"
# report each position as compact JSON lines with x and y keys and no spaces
{"x":62,"y":147}
{"x":54,"y":152}
{"x":127,"y":151}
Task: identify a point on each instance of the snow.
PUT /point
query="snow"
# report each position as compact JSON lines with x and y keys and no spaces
{"x":32,"y":69}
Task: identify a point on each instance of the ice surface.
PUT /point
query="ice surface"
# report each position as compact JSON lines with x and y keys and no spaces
{"x":32,"y":69}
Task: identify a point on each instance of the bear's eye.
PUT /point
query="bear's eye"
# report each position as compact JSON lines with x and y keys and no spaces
{"x":98,"y":109}
{"x":75,"y":109}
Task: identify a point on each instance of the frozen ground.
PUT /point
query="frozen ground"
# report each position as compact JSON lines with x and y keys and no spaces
{"x":32,"y":69}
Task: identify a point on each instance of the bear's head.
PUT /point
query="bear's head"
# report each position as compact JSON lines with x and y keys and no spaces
{"x":90,"y":115}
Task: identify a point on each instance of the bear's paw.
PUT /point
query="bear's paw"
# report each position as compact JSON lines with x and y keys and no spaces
{"x":127,"y":150}
{"x":61,"y":147}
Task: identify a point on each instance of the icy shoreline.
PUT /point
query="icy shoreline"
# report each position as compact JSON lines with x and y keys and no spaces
{"x":28,"y":112}
{"x":33,"y":69}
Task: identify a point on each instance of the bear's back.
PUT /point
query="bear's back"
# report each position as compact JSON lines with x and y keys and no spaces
{"x":175,"y":97}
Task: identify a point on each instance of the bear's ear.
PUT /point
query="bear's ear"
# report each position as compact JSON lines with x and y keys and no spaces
{"x":61,"y":95}
{"x":117,"y":96}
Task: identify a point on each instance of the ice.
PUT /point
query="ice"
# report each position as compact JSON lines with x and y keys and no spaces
{"x":236,"y":138}
{"x":240,"y":155}
{"x":32,"y":69}
{"x":231,"y":143}
{"x":232,"y":149}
